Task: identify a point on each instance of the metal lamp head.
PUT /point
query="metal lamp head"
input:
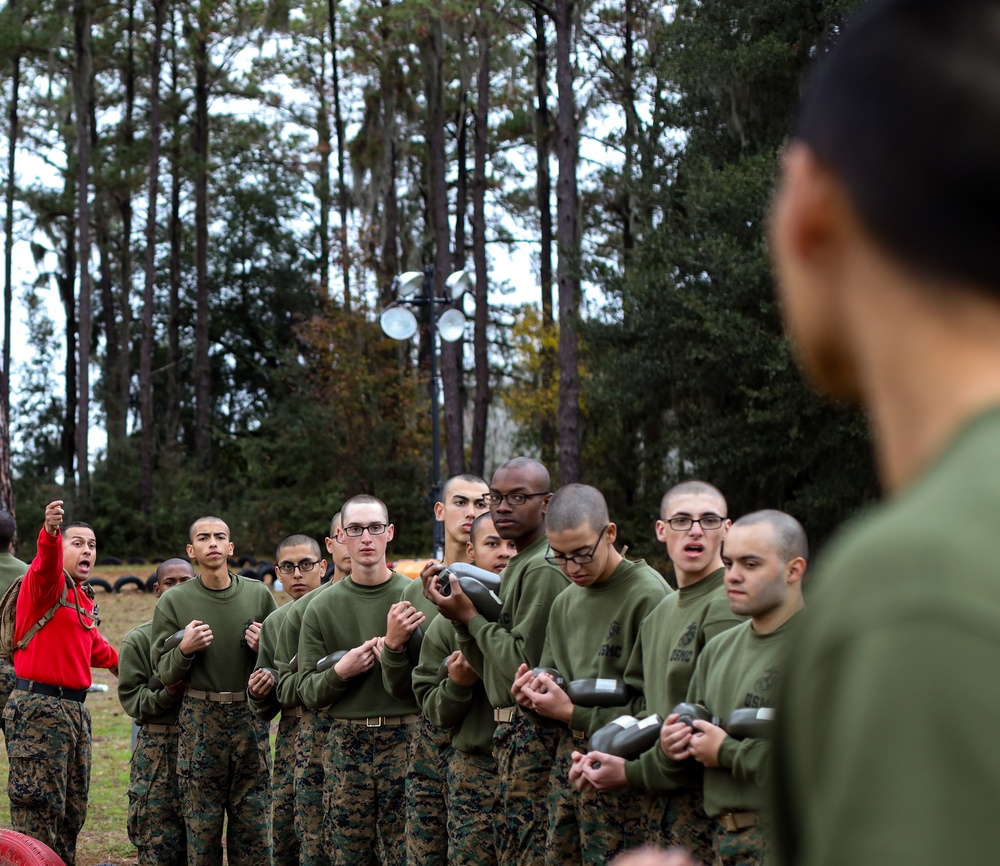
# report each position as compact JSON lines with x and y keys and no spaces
{"x":459,"y":283}
{"x":398,"y":323}
{"x":409,"y":283}
{"x":451,"y":325}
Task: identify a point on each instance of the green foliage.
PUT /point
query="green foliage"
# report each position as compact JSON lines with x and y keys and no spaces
{"x":692,"y":373}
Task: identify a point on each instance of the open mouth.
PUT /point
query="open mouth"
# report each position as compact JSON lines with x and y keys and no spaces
{"x":694,"y":549}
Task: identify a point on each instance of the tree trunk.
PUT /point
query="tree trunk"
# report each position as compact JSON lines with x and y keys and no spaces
{"x":6,"y":488}
{"x":124,"y":378}
{"x":345,"y":261}
{"x":173,"y":409}
{"x":569,"y":252}
{"x":388,"y":266}
{"x":481,"y":402}
{"x":203,"y":390}
{"x":147,"y":453}
{"x":543,"y":132}
{"x":81,"y":100}
{"x":323,"y":184}
{"x":451,"y":370}
{"x":67,"y":294}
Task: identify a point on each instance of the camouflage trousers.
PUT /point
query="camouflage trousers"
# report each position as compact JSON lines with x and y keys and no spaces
{"x":285,"y":851}
{"x":310,"y":743}
{"x":224,"y":771}
{"x":524,"y":755}
{"x":48,"y":743}
{"x":472,"y":809}
{"x":744,"y":848}
{"x":155,"y":822}
{"x":427,"y":795}
{"x":363,"y":794}
{"x":589,"y":827}
{"x":7,"y":681}
{"x":678,"y":820}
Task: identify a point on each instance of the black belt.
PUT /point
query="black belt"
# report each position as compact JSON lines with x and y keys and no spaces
{"x":78,"y":695}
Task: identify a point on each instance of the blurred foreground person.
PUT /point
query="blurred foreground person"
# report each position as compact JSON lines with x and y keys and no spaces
{"x":884,"y":236}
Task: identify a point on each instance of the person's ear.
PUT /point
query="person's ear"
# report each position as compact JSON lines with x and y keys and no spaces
{"x":439,"y":512}
{"x":661,"y":530}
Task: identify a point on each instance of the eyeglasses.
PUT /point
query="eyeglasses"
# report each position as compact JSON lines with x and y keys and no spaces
{"x":709,"y":522}
{"x":305,"y":566}
{"x":512,"y":498}
{"x":373,"y":529}
{"x":579,"y":558}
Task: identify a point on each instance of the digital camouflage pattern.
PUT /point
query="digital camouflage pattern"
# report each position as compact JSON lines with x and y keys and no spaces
{"x":310,"y":744}
{"x":679,"y":819}
{"x":286,"y":845}
{"x":48,"y":744}
{"x":7,"y":681}
{"x":224,"y":769}
{"x":426,"y":795}
{"x":589,"y":827}
{"x":746,"y":848}
{"x":363,"y":794}
{"x":472,"y":809}
{"x":155,"y":822}
{"x":524,"y":756}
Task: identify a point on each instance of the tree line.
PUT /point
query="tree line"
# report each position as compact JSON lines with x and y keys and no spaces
{"x":220,"y":193}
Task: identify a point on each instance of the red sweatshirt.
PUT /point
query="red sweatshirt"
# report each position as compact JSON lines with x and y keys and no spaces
{"x":62,"y":652}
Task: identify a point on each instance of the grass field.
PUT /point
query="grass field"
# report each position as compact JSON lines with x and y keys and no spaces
{"x":104,"y":839}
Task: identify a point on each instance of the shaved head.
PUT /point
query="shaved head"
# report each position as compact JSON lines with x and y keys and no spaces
{"x":299,"y":540}
{"x":530,"y":468}
{"x":694,"y":488}
{"x":790,"y":539}
{"x":575,"y":506}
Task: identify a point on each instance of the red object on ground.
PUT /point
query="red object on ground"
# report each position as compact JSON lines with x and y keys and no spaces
{"x":16,"y":849}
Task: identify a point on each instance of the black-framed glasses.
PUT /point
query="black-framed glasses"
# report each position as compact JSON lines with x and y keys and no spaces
{"x":512,"y":498}
{"x":373,"y":529}
{"x":578,"y":558}
{"x":305,"y":566}
{"x":707,"y":521}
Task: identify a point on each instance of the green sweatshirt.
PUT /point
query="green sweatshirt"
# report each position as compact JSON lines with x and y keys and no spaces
{"x":886,"y":747}
{"x":342,"y":618}
{"x":141,"y":694}
{"x":662,"y":663}
{"x":288,"y":646}
{"x":226,"y":665}
{"x":592,"y":630}
{"x":268,"y":708}
{"x":737,"y":669}
{"x":496,"y":649}
{"x":11,"y":568}
{"x":466,"y":710}
{"x":397,"y":672}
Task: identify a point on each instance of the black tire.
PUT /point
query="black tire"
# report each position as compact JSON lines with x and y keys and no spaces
{"x":99,"y":583}
{"x":109,"y":560}
{"x":136,"y":560}
{"x":264,"y":570}
{"x":247,"y":560}
{"x":330,"y":569}
{"x":156,"y":560}
{"x":151,"y":582}
{"x":129,"y":580}
{"x":249,"y":572}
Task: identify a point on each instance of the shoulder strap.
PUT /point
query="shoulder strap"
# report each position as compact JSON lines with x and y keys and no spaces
{"x":51,"y":612}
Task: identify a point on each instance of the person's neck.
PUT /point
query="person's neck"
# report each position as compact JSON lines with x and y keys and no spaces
{"x":777,"y":617}
{"x":338,"y":575}
{"x":614,"y":560}
{"x":216,"y":578}
{"x":371,"y":575}
{"x":690,"y":578}
{"x":526,"y":541}
{"x":455,"y":551}
{"x":928,"y":362}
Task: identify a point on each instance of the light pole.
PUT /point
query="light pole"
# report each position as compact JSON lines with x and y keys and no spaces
{"x":399,"y":323}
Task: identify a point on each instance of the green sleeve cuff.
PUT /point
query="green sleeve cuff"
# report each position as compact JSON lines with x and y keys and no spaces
{"x":727,"y":752}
